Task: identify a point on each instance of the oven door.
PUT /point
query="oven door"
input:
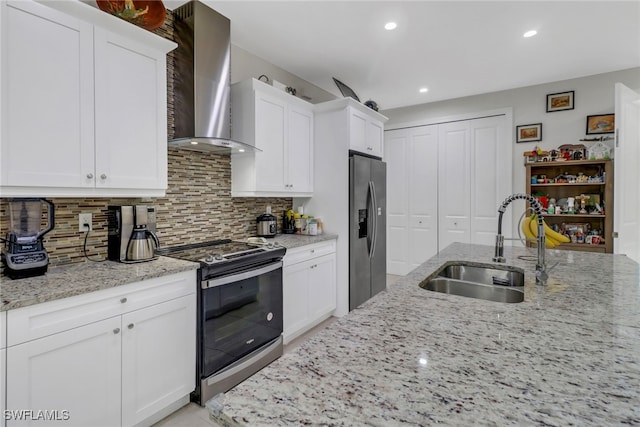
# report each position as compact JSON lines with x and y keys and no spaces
{"x":240,"y":313}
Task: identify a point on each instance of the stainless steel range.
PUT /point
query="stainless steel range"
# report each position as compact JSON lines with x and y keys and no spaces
{"x":239,"y":311}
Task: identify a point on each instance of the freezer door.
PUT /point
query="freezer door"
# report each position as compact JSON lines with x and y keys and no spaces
{"x":379,"y":255}
{"x":360,"y":231}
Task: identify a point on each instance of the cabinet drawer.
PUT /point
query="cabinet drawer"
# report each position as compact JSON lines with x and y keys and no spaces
{"x":36,"y":321}
{"x":304,"y":253}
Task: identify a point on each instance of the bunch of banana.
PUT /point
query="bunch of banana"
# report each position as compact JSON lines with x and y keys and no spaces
{"x":552,"y":238}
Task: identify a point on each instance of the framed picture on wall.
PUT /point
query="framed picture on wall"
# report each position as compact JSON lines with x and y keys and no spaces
{"x":529,"y":133}
{"x":601,"y":123}
{"x":560,"y":101}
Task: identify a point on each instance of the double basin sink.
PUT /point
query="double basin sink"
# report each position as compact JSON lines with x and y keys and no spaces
{"x":475,"y":280}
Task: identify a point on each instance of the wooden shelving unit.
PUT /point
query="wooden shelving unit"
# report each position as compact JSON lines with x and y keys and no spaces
{"x":564,"y":190}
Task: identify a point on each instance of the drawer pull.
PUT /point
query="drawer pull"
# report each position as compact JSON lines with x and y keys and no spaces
{"x":90,"y":175}
{"x":103,"y":176}
{"x":116,"y":331}
{"x":130,"y":325}
{"x":123,"y":300}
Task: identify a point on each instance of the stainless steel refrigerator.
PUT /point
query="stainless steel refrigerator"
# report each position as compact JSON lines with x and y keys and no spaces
{"x":367,"y":228}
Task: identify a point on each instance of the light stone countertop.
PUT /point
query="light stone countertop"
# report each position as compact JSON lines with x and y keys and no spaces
{"x":568,"y":355}
{"x":291,"y":241}
{"x":77,"y":279}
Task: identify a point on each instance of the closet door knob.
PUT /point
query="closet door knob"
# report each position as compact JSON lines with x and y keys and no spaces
{"x":90,"y":175}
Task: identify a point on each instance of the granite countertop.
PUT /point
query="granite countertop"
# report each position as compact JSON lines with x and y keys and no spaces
{"x":77,"y":279}
{"x":291,"y":241}
{"x":568,"y":355}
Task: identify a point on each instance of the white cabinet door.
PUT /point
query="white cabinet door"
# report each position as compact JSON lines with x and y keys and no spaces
{"x":366,"y":133}
{"x":396,"y":145}
{"x":270,"y":134}
{"x":295,"y":281}
{"x":77,"y":371}
{"x":322,"y":286}
{"x":47,"y":98}
{"x":130,"y":122}
{"x":490,"y":178}
{"x":308,"y":287}
{"x":453,"y":183}
{"x":423,"y":194}
{"x":299,"y":149}
{"x":374,"y":139}
{"x":357,"y":131}
{"x":412,"y":197}
{"x":158,"y":357}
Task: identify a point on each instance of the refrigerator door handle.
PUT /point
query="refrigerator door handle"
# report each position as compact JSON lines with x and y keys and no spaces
{"x":374,"y":211}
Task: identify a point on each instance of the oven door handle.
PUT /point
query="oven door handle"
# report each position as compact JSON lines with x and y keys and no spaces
{"x":240,"y":276}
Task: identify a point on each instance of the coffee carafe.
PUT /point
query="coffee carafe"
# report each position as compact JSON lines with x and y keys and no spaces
{"x":142,"y":244}
{"x":24,"y":254}
{"x":131,"y":236}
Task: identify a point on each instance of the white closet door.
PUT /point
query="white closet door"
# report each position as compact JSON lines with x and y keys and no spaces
{"x":490,"y":178}
{"x":395,"y":149}
{"x":627,"y":156}
{"x":454,"y":183}
{"x":423,"y":194}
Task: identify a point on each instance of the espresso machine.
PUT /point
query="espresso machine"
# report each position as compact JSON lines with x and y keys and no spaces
{"x":132,"y":233}
{"x":23,"y":253}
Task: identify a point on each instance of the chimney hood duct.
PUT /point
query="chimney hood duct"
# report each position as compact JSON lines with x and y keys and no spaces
{"x":202,"y":85}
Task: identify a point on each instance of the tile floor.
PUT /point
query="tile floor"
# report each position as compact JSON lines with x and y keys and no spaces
{"x":193,"y":415}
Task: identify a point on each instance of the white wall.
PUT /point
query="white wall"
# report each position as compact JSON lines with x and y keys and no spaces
{"x":245,"y":65}
{"x":593,"y":95}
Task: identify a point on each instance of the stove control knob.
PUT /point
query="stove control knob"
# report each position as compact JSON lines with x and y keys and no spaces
{"x":218,"y":257}
{"x":270,"y":246}
{"x":209,"y":259}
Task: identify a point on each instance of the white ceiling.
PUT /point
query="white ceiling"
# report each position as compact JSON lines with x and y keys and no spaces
{"x":455,"y":48}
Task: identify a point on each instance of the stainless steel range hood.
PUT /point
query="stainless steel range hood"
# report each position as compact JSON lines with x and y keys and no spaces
{"x":202,"y":83}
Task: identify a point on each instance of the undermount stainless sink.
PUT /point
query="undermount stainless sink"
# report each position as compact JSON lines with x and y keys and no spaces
{"x":489,"y":282}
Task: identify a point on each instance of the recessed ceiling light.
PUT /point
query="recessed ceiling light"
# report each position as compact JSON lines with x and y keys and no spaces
{"x":424,"y":90}
{"x":390,"y":26}
{"x":530,"y":33}
{"x":194,"y":142}
{"x":241,"y":150}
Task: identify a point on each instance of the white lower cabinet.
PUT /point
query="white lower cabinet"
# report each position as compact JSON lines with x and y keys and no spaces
{"x":309,"y":287}
{"x":119,"y":370}
{"x":158,"y":355}
{"x":74,"y":373}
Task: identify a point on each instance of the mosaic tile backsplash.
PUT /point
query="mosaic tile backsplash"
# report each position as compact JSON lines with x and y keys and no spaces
{"x":197,"y":207}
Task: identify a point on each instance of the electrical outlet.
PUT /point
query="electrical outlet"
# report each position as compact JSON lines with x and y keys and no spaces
{"x":84,"y":218}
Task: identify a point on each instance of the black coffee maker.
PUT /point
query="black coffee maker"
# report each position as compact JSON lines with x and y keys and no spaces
{"x":23,"y":253}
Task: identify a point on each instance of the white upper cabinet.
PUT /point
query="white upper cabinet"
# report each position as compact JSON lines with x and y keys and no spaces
{"x":365,"y":132}
{"x":281,"y":126}
{"x":83,"y":103}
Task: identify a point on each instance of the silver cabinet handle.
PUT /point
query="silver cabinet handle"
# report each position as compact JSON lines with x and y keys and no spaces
{"x":123,"y":300}
{"x":116,"y":331}
{"x":90,"y":175}
{"x":103,"y":176}
{"x":130,"y":325}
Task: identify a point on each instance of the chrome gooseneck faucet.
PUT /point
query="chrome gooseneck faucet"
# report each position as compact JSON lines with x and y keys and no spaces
{"x":541,"y":274}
